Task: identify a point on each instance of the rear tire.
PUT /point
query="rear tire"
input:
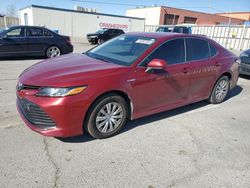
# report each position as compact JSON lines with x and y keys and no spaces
{"x":107,"y":116}
{"x":220,"y":90}
{"x":53,"y":51}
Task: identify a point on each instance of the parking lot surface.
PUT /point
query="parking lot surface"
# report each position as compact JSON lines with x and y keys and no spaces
{"x":199,"y":145}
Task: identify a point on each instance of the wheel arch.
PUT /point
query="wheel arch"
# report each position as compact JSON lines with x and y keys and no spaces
{"x":117,"y":92}
{"x":228,"y":74}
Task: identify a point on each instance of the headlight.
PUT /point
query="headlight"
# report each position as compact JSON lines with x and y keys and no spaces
{"x":243,"y":54}
{"x":60,"y":92}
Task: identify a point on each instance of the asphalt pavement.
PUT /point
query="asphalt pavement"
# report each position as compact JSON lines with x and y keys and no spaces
{"x":199,"y":145}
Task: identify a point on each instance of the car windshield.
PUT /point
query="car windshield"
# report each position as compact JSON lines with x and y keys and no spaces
{"x":101,"y":31}
{"x":122,"y":50}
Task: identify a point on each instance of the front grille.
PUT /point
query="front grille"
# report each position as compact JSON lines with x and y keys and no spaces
{"x":30,"y":87}
{"x":35,"y":115}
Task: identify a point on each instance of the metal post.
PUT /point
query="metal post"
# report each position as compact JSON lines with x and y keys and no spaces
{"x":241,"y":37}
{"x":212,"y":32}
{"x":5,"y":21}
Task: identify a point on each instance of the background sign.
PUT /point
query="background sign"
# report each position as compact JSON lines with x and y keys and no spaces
{"x":113,"y":22}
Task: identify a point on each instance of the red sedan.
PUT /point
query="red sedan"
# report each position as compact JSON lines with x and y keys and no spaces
{"x":128,"y":77}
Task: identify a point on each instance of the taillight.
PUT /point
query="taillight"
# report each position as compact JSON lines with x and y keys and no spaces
{"x":68,"y":41}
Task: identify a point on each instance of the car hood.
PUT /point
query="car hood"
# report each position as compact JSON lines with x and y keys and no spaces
{"x":67,"y":70}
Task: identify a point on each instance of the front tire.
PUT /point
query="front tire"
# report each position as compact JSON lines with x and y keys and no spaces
{"x":220,"y":90}
{"x":53,"y":51}
{"x":100,"y":41}
{"x":107,"y":116}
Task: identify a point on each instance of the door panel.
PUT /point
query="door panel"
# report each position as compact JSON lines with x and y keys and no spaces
{"x":202,"y":76}
{"x":14,"y":42}
{"x":203,"y":69}
{"x":162,"y":88}
{"x":36,"y":40}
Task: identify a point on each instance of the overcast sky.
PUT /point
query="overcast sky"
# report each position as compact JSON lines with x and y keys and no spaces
{"x":103,"y":6}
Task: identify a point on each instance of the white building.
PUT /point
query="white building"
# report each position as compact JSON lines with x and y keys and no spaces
{"x":77,"y":24}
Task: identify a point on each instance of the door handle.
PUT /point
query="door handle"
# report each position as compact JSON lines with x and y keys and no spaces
{"x":185,"y":70}
{"x":217,"y":64}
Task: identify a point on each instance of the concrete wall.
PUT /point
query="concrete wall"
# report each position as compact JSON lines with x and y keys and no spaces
{"x":29,"y":12}
{"x":151,"y":15}
{"x":77,"y":24}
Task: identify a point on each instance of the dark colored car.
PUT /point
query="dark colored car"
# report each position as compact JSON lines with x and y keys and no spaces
{"x":245,"y":62}
{"x":33,"y":41}
{"x":175,"y":29}
{"x":103,"y":35}
{"x":125,"y":78}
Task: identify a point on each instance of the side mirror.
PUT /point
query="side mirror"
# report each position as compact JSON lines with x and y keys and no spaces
{"x":4,"y":37}
{"x":159,"y":64}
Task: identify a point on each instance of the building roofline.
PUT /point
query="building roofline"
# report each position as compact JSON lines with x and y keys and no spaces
{"x":184,"y":10}
{"x":234,"y":13}
{"x":80,"y":12}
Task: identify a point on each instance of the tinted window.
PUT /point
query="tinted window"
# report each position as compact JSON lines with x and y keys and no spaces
{"x":35,"y":32}
{"x":172,"y":52}
{"x":19,"y":32}
{"x":110,"y":31}
{"x":180,"y":30}
{"x":118,"y":31}
{"x":213,"y":50}
{"x":197,"y":49}
{"x":47,"y":33}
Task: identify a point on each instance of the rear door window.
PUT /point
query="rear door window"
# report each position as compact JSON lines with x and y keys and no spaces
{"x":213,"y":50}
{"x":35,"y":32}
{"x":47,"y":33}
{"x":197,"y":49}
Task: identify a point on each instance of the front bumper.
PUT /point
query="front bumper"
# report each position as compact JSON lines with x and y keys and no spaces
{"x":92,"y":39}
{"x":67,"y":114}
{"x":244,"y":68}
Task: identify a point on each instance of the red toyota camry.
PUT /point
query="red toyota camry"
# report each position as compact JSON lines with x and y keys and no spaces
{"x":128,"y":77}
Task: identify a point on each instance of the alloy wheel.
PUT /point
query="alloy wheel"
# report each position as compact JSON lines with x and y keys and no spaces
{"x":221,"y":90}
{"x":53,"y":51}
{"x":109,"y":117}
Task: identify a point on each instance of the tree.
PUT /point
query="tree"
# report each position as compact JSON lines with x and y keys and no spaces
{"x":11,"y":10}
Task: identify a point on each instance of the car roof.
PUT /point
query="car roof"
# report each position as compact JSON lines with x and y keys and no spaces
{"x":176,"y":26}
{"x":27,"y":26}
{"x":158,"y":35}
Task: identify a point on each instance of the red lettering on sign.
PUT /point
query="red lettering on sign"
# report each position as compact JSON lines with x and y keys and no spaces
{"x":115,"y":26}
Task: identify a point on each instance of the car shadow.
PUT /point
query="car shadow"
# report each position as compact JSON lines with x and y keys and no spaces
{"x":152,"y":118}
{"x":21,"y":58}
{"x":247,"y":77}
